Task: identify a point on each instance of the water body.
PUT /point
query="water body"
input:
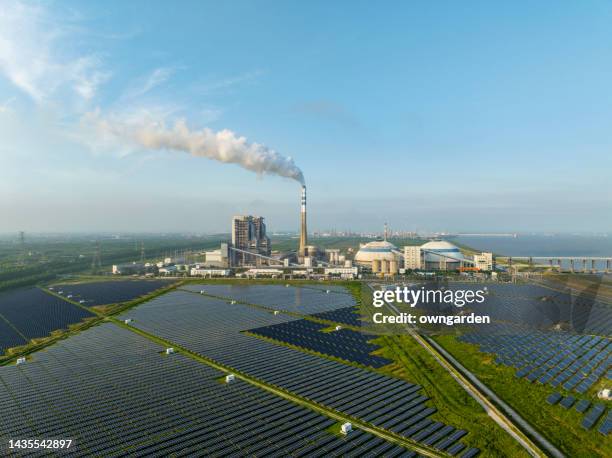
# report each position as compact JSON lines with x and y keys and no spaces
{"x":542,"y":245}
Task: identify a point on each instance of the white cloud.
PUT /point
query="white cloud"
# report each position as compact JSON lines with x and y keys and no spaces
{"x":226,"y":84}
{"x":154,"y":79}
{"x":32,"y":57}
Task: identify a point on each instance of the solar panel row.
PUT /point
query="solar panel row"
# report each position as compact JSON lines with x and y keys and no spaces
{"x":540,"y":307}
{"x":109,"y":292}
{"x":30,"y":313}
{"x":279,"y":297}
{"x":115,"y":394}
{"x":593,"y":415}
{"x":606,"y":425}
{"x":346,"y":315}
{"x":344,"y":343}
{"x":212,"y":328}
{"x":582,"y":405}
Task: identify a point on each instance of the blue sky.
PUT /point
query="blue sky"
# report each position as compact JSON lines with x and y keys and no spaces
{"x":458,"y":116}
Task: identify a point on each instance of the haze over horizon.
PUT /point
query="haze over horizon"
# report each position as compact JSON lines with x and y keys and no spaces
{"x":433,"y":117}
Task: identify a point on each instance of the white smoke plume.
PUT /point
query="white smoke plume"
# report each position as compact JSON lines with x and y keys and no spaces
{"x":223,"y":146}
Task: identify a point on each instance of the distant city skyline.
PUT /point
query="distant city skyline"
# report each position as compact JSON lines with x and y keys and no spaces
{"x":431,"y":117}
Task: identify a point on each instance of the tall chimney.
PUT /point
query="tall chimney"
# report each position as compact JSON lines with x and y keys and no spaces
{"x":303,"y":232}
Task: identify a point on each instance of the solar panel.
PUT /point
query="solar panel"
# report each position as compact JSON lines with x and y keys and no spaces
{"x":553,"y":398}
{"x":567,"y":402}
{"x":582,"y":405}
{"x":592,"y":416}
{"x":606,"y":425}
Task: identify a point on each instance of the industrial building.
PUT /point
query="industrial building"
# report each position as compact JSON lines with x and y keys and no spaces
{"x":442,"y":255}
{"x":133,"y":268}
{"x":333,"y":255}
{"x":484,"y":261}
{"x":381,"y":256}
{"x":218,"y":258}
{"x":255,"y":273}
{"x":413,"y":258}
{"x":199,"y":271}
{"x":249,"y":234}
{"x":347,"y":273}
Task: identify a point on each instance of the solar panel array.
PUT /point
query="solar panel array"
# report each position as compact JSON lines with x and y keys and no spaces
{"x":30,"y":313}
{"x":536,"y":306}
{"x":326,"y":287}
{"x":593,"y":416}
{"x":582,"y":406}
{"x":9,"y":337}
{"x":606,"y":425}
{"x":346,"y":315}
{"x":344,"y":343}
{"x":279,"y":297}
{"x":114,"y":393}
{"x":109,"y":292}
{"x":575,"y":362}
{"x":212,"y":328}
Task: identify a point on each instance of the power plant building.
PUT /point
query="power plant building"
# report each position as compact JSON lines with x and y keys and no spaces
{"x":450,"y":256}
{"x":413,"y":257}
{"x":381,"y":256}
{"x":249,"y":235}
{"x":484,"y":261}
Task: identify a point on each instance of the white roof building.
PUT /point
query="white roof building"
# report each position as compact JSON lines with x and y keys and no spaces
{"x":449,"y":252}
{"x":380,"y":250}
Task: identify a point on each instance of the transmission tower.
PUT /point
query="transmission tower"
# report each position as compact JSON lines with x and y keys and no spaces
{"x":22,"y":249}
{"x":96,"y":262}
{"x":142,"y":252}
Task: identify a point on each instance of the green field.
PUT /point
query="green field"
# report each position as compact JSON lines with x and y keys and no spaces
{"x":45,"y":258}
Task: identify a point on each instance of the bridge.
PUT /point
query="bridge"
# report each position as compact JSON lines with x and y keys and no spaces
{"x":588,"y":263}
{"x":494,"y":234}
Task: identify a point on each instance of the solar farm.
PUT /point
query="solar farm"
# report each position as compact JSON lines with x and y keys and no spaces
{"x":280,"y":297}
{"x":31,"y":313}
{"x":114,"y":393}
{"x":115,"y":390}
{"x":108,"y":292}
{"x":212,"y":327}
